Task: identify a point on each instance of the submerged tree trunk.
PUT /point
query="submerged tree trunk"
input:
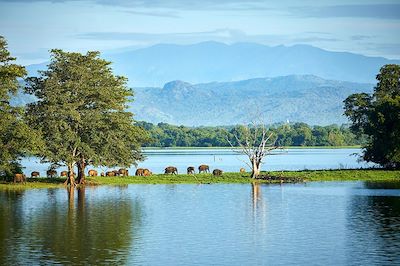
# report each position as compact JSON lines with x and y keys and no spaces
{"x":81,"y":171}
{"x":71,"y":177}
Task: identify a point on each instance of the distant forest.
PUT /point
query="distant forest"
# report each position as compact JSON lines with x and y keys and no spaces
{"x":297,"y":134}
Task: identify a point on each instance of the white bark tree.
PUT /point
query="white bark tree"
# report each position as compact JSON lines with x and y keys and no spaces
{"x":256,"y":143}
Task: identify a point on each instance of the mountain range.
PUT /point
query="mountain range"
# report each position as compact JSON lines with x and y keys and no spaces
{"x":219,"y":62}
{"x":219,"y":84}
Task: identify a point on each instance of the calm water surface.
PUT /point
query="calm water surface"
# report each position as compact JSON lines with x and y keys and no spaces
{"x":352,"y":223}
{"x":229,"y":161}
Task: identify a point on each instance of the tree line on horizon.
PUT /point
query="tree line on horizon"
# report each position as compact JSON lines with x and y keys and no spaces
{"x":295,"y":134}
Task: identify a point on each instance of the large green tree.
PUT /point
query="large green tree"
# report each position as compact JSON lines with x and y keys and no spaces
{"x":16,"y":138}
{"x":81,"y":112}
{"x":378,"y":117}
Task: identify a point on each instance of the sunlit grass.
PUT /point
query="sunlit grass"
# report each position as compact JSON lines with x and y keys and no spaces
{"x":33,"y":183}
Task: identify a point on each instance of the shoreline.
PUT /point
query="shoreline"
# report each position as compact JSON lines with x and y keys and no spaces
{"x":229,"y":148}
{"x":277,"y":177}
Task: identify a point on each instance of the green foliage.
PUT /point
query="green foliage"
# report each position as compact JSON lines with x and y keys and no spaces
{"x":378,"y":117}
{"x":16,"y":138}
{"x":298,"y":134}
{"x":81,"y":112}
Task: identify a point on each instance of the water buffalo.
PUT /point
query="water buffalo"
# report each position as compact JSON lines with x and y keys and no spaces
{"x":51,"y":173}
{"x":110,"y":173}
{"x":139,"y":172}
{"x":64,"y":173}
{"x":147,"y":172}
{"x":204,"y":168}
{"x":116,"y":173}
{"x":171,"y":170}
{"x":190,"y":170}
{"x":35,"y":174}
{"x":19,"y":178}
{"x":102,"y":174}
{"x":217,"y":172}
{"x":242,"y":170}
{"x":92,"y":173}
{"x":123,"y":172}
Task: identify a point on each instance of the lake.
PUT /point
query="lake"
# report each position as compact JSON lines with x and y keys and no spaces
{"x":230,"y":161}
{"x":322,"y":223}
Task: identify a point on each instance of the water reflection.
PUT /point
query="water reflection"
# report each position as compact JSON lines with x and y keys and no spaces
{"x":327,"y":223}
{"x":256,"y":195}
{"x":71,"y":229}
{"x":259,"y":208}
{"x":11,"y":224}
{"x":374,"y":225}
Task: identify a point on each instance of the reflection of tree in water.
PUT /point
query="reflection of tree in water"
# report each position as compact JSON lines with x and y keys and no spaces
{"x":256,"y":195}
{"x":258,"y":205}
{"x":374,"y":224}
{"x":11,"y":225}
{"x":86,"y":232}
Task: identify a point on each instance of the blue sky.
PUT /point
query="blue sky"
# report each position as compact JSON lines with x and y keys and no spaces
{"x":33,"y":27}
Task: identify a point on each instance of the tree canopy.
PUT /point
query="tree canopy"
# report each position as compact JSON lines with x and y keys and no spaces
{"x":378,"y":117}
{"x":81,"y":112}
{"x":16,"y":138}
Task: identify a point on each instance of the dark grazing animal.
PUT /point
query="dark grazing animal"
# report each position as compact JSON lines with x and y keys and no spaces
{"x":110,"y":173}
{"x":171,"y":170}
{"x":147,"y":172}
{"x":19,"y":178}
{"x":190,"y":170}
{"x":217,"y":172}
{"x":139,"y":172}
{"x":204,"y":168}
{"x":35,"y":174}
{"x":116,"y":173}
{"x":102,"y":174}
{"x":51,"y":173}
{"x":92,"y":172}
{"x":64,"y":173}
{"x":123,"y":172}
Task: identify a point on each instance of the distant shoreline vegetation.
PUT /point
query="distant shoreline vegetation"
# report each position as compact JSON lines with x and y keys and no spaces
{"x":164,"y":135}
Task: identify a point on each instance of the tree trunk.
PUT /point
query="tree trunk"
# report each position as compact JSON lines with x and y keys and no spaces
{"x":255,"y":171}
{"x":71,"y":178}
{"x":81,"y":171}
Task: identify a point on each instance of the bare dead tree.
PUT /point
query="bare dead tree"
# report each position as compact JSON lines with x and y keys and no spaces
{"x":256,"y":143}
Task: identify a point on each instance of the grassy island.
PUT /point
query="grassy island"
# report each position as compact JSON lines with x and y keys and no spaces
{"x":266,"y":177}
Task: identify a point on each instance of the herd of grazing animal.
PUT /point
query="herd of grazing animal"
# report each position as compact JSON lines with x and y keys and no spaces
{"x":191,"y":170}
{"x":21,"y":178}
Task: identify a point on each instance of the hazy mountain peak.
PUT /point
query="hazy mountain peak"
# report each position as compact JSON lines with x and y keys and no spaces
{"x":176,"y":84}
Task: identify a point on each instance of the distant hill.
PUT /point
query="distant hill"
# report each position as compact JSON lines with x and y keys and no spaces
{"x":297,"y":98}
{"x":213,"y":61}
